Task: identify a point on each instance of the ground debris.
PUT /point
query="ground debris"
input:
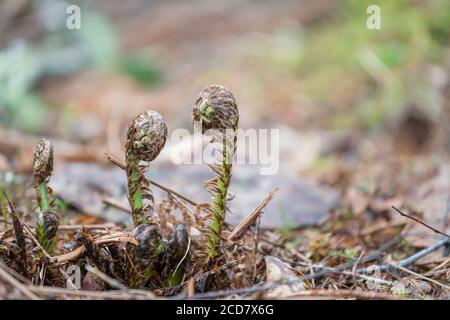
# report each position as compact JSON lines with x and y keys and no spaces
{"x":278,"y":271}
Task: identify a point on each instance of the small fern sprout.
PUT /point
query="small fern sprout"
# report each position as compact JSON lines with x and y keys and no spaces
{"x":48,"y":220}
{"x":145,"y":255}
{"x":176,"y":255}
{"x":146,"y":138}
{"x":216,"y":111}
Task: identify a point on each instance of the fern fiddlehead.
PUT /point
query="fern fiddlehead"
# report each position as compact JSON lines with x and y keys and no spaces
{"x":146,"y":137}
{"x":48,"y":220}
{"x":216,"y":112}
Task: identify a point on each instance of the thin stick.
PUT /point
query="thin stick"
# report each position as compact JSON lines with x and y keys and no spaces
{"x":118,"y":237}
{"x":306,"y":293}
{"x":255,"y":248}
{"x":443,"y":264}
{"x":343,"y":294}
{"x":407,"y":261}
{"x":419,"y":276}
{"x":421,"y":222}
{"x":105,"y":278}
{"x":18,"y":231}
{"x":367,"y":278}
{"x":111,"y":294}
{"x":36,"y":242}
{"x":72,"y":255}
{"x":123,"y":239}
{"x":216,"y":270}
{"x":17,"y":284}
{"x":355,"y":267}
{"x":115,"y":161}
{"x":381,"y":226}
{"x":181,"y":202}
{"x":67,"y":227}
{"x":184,"y":257}
{"x":116,"y":204}
{"x":121,"y":165}
{"x":403,"y":263}
{"x":437,"y":272}
{"x":348,"y":273}
{"x":251,"y":218}
{"x":123,"y":207}
{"x":13,"y":272}
{"x":70,"y":227}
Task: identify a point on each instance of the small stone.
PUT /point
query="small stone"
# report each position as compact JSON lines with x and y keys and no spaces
{"x":278,"y":271}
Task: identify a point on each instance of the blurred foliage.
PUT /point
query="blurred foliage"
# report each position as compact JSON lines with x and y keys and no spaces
{"x":99,"y":40}
{"x":141,"y":68}
{"x":362,"y":76}
{"x":59,"y":53}
{"x":386,"y":64}
{"x":19,"y":106}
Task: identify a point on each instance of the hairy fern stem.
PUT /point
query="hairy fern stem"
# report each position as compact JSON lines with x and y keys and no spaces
{"x":216,"y":112}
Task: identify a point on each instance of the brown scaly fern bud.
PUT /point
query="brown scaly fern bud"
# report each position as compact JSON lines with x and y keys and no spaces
{"x":216,"y":108}
{"x":176,"y":255}
{"x":146,"y":138}
{"x":49,"y":221}
{"x":43,"y":164}
{"x":145,"y":255}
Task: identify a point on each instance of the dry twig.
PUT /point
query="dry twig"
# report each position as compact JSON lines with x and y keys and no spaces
{"x":251,"y":218}
{"x":121,"y":165}
{"x":419,"y":276}
{"x":421,"y":222}
{"x":18,"y":231}
{"x":113,"y":283}
{"x":338,"y":294}
{"x":407,"y":261}
{"x":16,"y":283}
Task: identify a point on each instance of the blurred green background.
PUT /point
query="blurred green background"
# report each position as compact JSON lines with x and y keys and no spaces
{"x":306,"y":64}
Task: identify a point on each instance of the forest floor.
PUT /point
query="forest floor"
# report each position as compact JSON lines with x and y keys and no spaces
{"x":366,"y":126}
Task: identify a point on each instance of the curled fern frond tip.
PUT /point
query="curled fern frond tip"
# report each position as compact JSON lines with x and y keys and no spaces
{"x":146,"y":135}
{"x":43,"y":160}
{"x":148,"y":237}
{"x":215,"y":108}
{"x":49,"y":222}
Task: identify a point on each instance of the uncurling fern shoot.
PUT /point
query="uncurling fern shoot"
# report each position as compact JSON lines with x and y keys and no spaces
{"x":48,"y":220}
{"x":216,"y":113}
